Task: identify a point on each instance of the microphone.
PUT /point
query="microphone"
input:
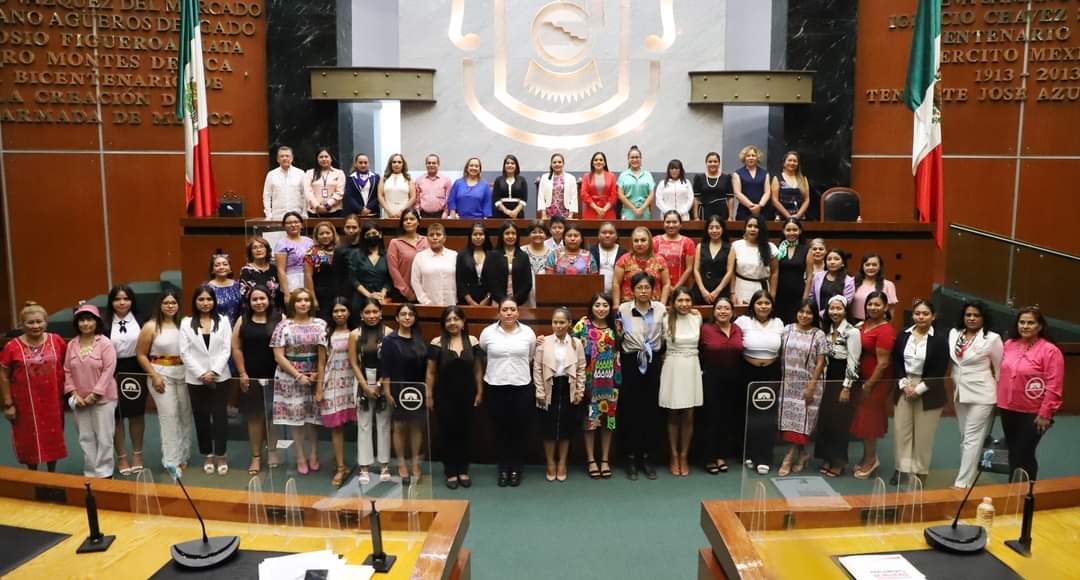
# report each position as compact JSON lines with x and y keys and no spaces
{"x":963,"y":539}
{"x":204,"y":553}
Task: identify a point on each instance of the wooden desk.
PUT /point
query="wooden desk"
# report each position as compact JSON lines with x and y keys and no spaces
{"x":555,"y":290}
{"x":433,"y":550}
{"x":801,"y":544}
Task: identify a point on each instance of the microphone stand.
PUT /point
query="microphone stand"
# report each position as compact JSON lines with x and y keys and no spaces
{"x":962,"y":539}
{"x":1023,"y":544}
{"x":207,"y":552}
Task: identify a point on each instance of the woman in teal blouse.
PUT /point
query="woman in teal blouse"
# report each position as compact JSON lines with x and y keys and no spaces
{"x":635,"y":188}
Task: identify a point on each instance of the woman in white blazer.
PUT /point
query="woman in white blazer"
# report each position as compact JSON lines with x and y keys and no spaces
{"x":205,"y":348}
{"x":976,"y":356}
{"x":557,"y":192}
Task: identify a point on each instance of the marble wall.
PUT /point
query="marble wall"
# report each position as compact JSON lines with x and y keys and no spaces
{"x":300,"y":34}
{"x":672,"y":129}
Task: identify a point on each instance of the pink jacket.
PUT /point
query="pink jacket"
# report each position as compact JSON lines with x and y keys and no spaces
{"x":1032,"y":379}
{"x":93,"y":374}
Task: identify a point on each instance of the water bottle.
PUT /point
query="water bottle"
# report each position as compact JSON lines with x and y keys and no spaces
{"x":984,"y":515}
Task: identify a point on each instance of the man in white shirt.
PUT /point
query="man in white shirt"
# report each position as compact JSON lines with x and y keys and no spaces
{"x":434,"y":270}
{"x":283,"y":189}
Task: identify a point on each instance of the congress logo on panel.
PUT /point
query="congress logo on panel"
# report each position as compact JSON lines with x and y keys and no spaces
{"x":556,"y":97}
{"x":411,"y":399}
{"x":763,"y":398}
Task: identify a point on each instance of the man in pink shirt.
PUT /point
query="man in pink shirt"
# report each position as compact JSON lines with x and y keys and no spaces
{"x":432,"y":190}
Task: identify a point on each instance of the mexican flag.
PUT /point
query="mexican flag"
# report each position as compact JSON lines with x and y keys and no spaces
{"x":924,"y":71}
{"x":201,"y":195}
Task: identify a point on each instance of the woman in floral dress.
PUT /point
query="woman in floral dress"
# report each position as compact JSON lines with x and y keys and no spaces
{"x":599,"y":333}
{"x":803,"y":361}
{"x":335,"y":394}
{"x":571,"y":259}
{"x":296,"y":342}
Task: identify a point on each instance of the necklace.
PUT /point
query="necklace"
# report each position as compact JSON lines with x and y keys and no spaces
{"x":709,"y":183}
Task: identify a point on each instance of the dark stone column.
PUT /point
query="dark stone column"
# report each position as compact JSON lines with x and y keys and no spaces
{"x":300,"y":34}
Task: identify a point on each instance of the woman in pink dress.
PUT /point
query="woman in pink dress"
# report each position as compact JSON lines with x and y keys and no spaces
{"x":31,"y":386}
{"x":676,"y":250}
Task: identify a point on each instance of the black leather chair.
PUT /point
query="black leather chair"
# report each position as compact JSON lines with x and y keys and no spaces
{"x":840,"y":204}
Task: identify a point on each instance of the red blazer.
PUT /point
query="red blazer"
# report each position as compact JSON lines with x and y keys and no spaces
{"x":589,"y":195}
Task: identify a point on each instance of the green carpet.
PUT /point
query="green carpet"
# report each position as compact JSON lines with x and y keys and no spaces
{"x":583,"y":528}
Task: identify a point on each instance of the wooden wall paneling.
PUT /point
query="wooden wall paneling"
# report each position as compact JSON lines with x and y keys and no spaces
{"x":1049,"y":204}
{"x":57,"y":230}
{"x":979,"y":193}
{"x":886,"y":188}
{"x":880,"y":63}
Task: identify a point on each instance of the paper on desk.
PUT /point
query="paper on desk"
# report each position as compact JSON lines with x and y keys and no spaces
{"x":295,"y":567}
{"x":880,"y":567}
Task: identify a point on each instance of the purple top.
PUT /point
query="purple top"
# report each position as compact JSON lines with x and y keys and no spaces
{"x":294,"y":253}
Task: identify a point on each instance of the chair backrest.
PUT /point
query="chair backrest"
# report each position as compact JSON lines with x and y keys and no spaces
{"x":840,"y":204}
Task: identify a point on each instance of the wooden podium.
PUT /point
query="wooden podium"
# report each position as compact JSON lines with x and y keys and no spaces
{"x":562,"y":290}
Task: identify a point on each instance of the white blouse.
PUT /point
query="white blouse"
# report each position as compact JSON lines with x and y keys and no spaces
{"x":124,"y":335}
{"x":509,"y":354}
{"x":675,"y":195}
{"x":760,"y":341}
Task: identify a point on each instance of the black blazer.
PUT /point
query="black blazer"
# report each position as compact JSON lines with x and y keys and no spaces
{"x":519,"y":191}
{"x":595,"y":251}
{"x":468,"y":282}
{"x":934,"y":370}
{"x":495,"y":274}
{"x":354,"y":202}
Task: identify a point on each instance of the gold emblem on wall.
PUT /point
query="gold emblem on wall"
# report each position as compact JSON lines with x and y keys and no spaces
{"x":563,"y":73}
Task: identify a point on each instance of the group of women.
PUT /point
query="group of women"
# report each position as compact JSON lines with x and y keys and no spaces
{"x":596,"y":194}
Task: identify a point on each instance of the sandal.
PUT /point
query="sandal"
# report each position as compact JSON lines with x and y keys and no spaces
{"x":830,"y":472}
{"x":339,"y":475}
{"x":136,"y":462}
{"x":272,"y":460}
{"x":313,"y":463}
{"x":594,"y":470}
{"x":122,"y":464}
{"x":800,"y":464}
{"x":256,"y":465}
{"x":722,"y":465}
{"x":712,"y":468}
{"x":605,"y":469}
{"x":384,"y":472}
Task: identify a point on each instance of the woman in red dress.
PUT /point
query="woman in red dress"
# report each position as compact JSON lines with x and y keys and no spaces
{"x":598,"y":190}
{"x":31,"y":387}
{"x":871,"y":417}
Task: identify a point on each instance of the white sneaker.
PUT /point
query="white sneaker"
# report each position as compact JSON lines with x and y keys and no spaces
{"x":749,"y":463}
{"x":365,"y":477}
{"x":763,"y":469}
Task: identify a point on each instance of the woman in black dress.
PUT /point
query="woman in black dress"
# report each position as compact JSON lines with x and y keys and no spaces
{"x":711,"y":279}
{"x":255,"y":365}
{"x":791,"y":282}
{"x":403,"y":368}
{"x":319,"y":266}
{"x":510,"y":192}
{"x":455,"y":374}
{"x":712,"y":190}
{"x":469,"y":273}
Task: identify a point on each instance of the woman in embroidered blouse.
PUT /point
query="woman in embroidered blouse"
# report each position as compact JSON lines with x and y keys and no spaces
{"x":674,"y":192}
{"x":598,"y":190}
{"x":711,"y":279}
{"x":508,"y":270}
{"x":91,"y":389}
{"x":803,"y":347}
{"x":557,"y":193}
{"x":834,"y":280}
{"x":793,"y":259}
{"x":396,"y":189}
{"x":640,"y":259}
{"x":31,"y":385}
{"x":749,"y":184}
{"x":324,"y":186}
{"x":558,"y":372}
{"x":226,"y":290}
{"x":871,"y":278}
{"x":976,"y":353}
{"x":289,"y":254}
{"x":635,"y":188}
{"x":677,"y":250}
{"x":510,"y":192}
{"x":572,"y":259}
{"x":870,"y":421}
{"x":402,"y":251}
{"x":790,"y":191}
{"x":724,"y":398}
{"x":335,"y":394}
{"x":680,"y":378}
{"x":319,"y":268}
{"x":843,"y":349}
{"x":469,"y":272}
{"x":470,"y":196}
{"x":921,"y":358}
{"x":600,"y":332}
{"x":762,"y":335}
{"x":752,"y":262}
{"x":537,"y":250}
{"x":260,"y":272}
{"x":296,"y":342}
{"x":369,"y":272}
{"x":1030,"y":389}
